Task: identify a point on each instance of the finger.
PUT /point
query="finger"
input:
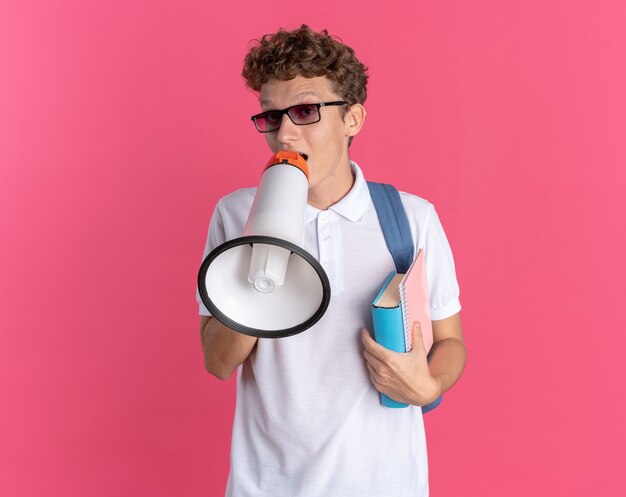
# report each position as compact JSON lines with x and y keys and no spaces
{"x":373,"y":360}
{"x":367,"y":339}
{"x":418,"y":339}
{"x":374,"y":377}
{"x":417,"y":327}
{"x":374,"y":347}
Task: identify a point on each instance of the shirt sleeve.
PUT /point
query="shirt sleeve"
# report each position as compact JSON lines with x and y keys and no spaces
{"x":442,"y":283}
{"x":215,"y":237}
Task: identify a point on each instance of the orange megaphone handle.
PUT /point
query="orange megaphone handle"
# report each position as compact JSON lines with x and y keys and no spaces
{"x":288,"y":157}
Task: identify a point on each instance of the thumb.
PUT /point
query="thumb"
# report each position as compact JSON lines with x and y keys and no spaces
{"x":418,"y":340}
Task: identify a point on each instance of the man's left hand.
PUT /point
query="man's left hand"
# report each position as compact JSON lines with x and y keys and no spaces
{"x":405,"y":377}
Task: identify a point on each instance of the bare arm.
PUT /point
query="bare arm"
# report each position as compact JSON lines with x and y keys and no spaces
{"x":446,"y":358}
{"x":224,"y":349}
{"x":412,"y":377}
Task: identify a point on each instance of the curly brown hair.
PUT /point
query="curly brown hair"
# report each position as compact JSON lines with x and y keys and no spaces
{"x":286,"y":54}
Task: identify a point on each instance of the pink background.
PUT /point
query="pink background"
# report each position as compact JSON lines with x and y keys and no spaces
{"x":122,"y":123}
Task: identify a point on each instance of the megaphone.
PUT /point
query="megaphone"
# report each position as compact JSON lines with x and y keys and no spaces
{"x":264,"y":284}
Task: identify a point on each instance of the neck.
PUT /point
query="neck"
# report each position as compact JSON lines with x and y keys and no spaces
{"x":332,"y":189}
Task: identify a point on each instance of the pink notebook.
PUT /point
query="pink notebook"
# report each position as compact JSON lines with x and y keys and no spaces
{"x":414,"y":302}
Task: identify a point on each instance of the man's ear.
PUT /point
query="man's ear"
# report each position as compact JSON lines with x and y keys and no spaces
{"x":354,"y":119}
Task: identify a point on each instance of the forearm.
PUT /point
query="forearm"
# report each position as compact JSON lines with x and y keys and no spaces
{"x":224,"y":349}
{"x":446,"y":361}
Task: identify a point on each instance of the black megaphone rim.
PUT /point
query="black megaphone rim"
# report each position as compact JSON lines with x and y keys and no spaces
{"x":250,"y":240}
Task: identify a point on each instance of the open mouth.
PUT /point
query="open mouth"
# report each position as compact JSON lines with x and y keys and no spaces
{"x":304,"y":156}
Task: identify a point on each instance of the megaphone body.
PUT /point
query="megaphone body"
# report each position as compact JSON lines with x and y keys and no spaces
{"x":264,"y":283}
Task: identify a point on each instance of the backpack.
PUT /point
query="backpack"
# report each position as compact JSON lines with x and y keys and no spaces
{"x":397,"y":233}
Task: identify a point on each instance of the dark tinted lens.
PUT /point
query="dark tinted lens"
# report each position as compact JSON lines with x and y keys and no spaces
{"x":268,"y":121}
{"x":304,"y":114}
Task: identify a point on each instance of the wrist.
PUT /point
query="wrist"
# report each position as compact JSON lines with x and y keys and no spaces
{"x":435,"y":391}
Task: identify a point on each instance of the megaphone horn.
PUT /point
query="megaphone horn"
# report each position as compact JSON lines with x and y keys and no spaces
{"x":264,"y":283}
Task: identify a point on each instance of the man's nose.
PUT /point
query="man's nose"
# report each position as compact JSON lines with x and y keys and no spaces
{"x":288,"y":131}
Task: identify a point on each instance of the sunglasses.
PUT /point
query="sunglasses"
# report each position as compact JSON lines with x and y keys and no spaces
{"x":300,"y":115}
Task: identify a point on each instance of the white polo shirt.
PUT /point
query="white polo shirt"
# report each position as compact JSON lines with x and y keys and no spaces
{"x":308,"y":421}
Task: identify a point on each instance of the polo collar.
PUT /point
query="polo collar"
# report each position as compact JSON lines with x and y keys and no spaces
{"x":354,"y":205}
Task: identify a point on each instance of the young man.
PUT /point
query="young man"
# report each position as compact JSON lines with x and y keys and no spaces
{"x":308,"y":419}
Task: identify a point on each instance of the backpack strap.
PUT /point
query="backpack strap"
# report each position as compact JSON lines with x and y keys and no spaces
{"x":394,"y":223}
{"x":397,"y":233}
